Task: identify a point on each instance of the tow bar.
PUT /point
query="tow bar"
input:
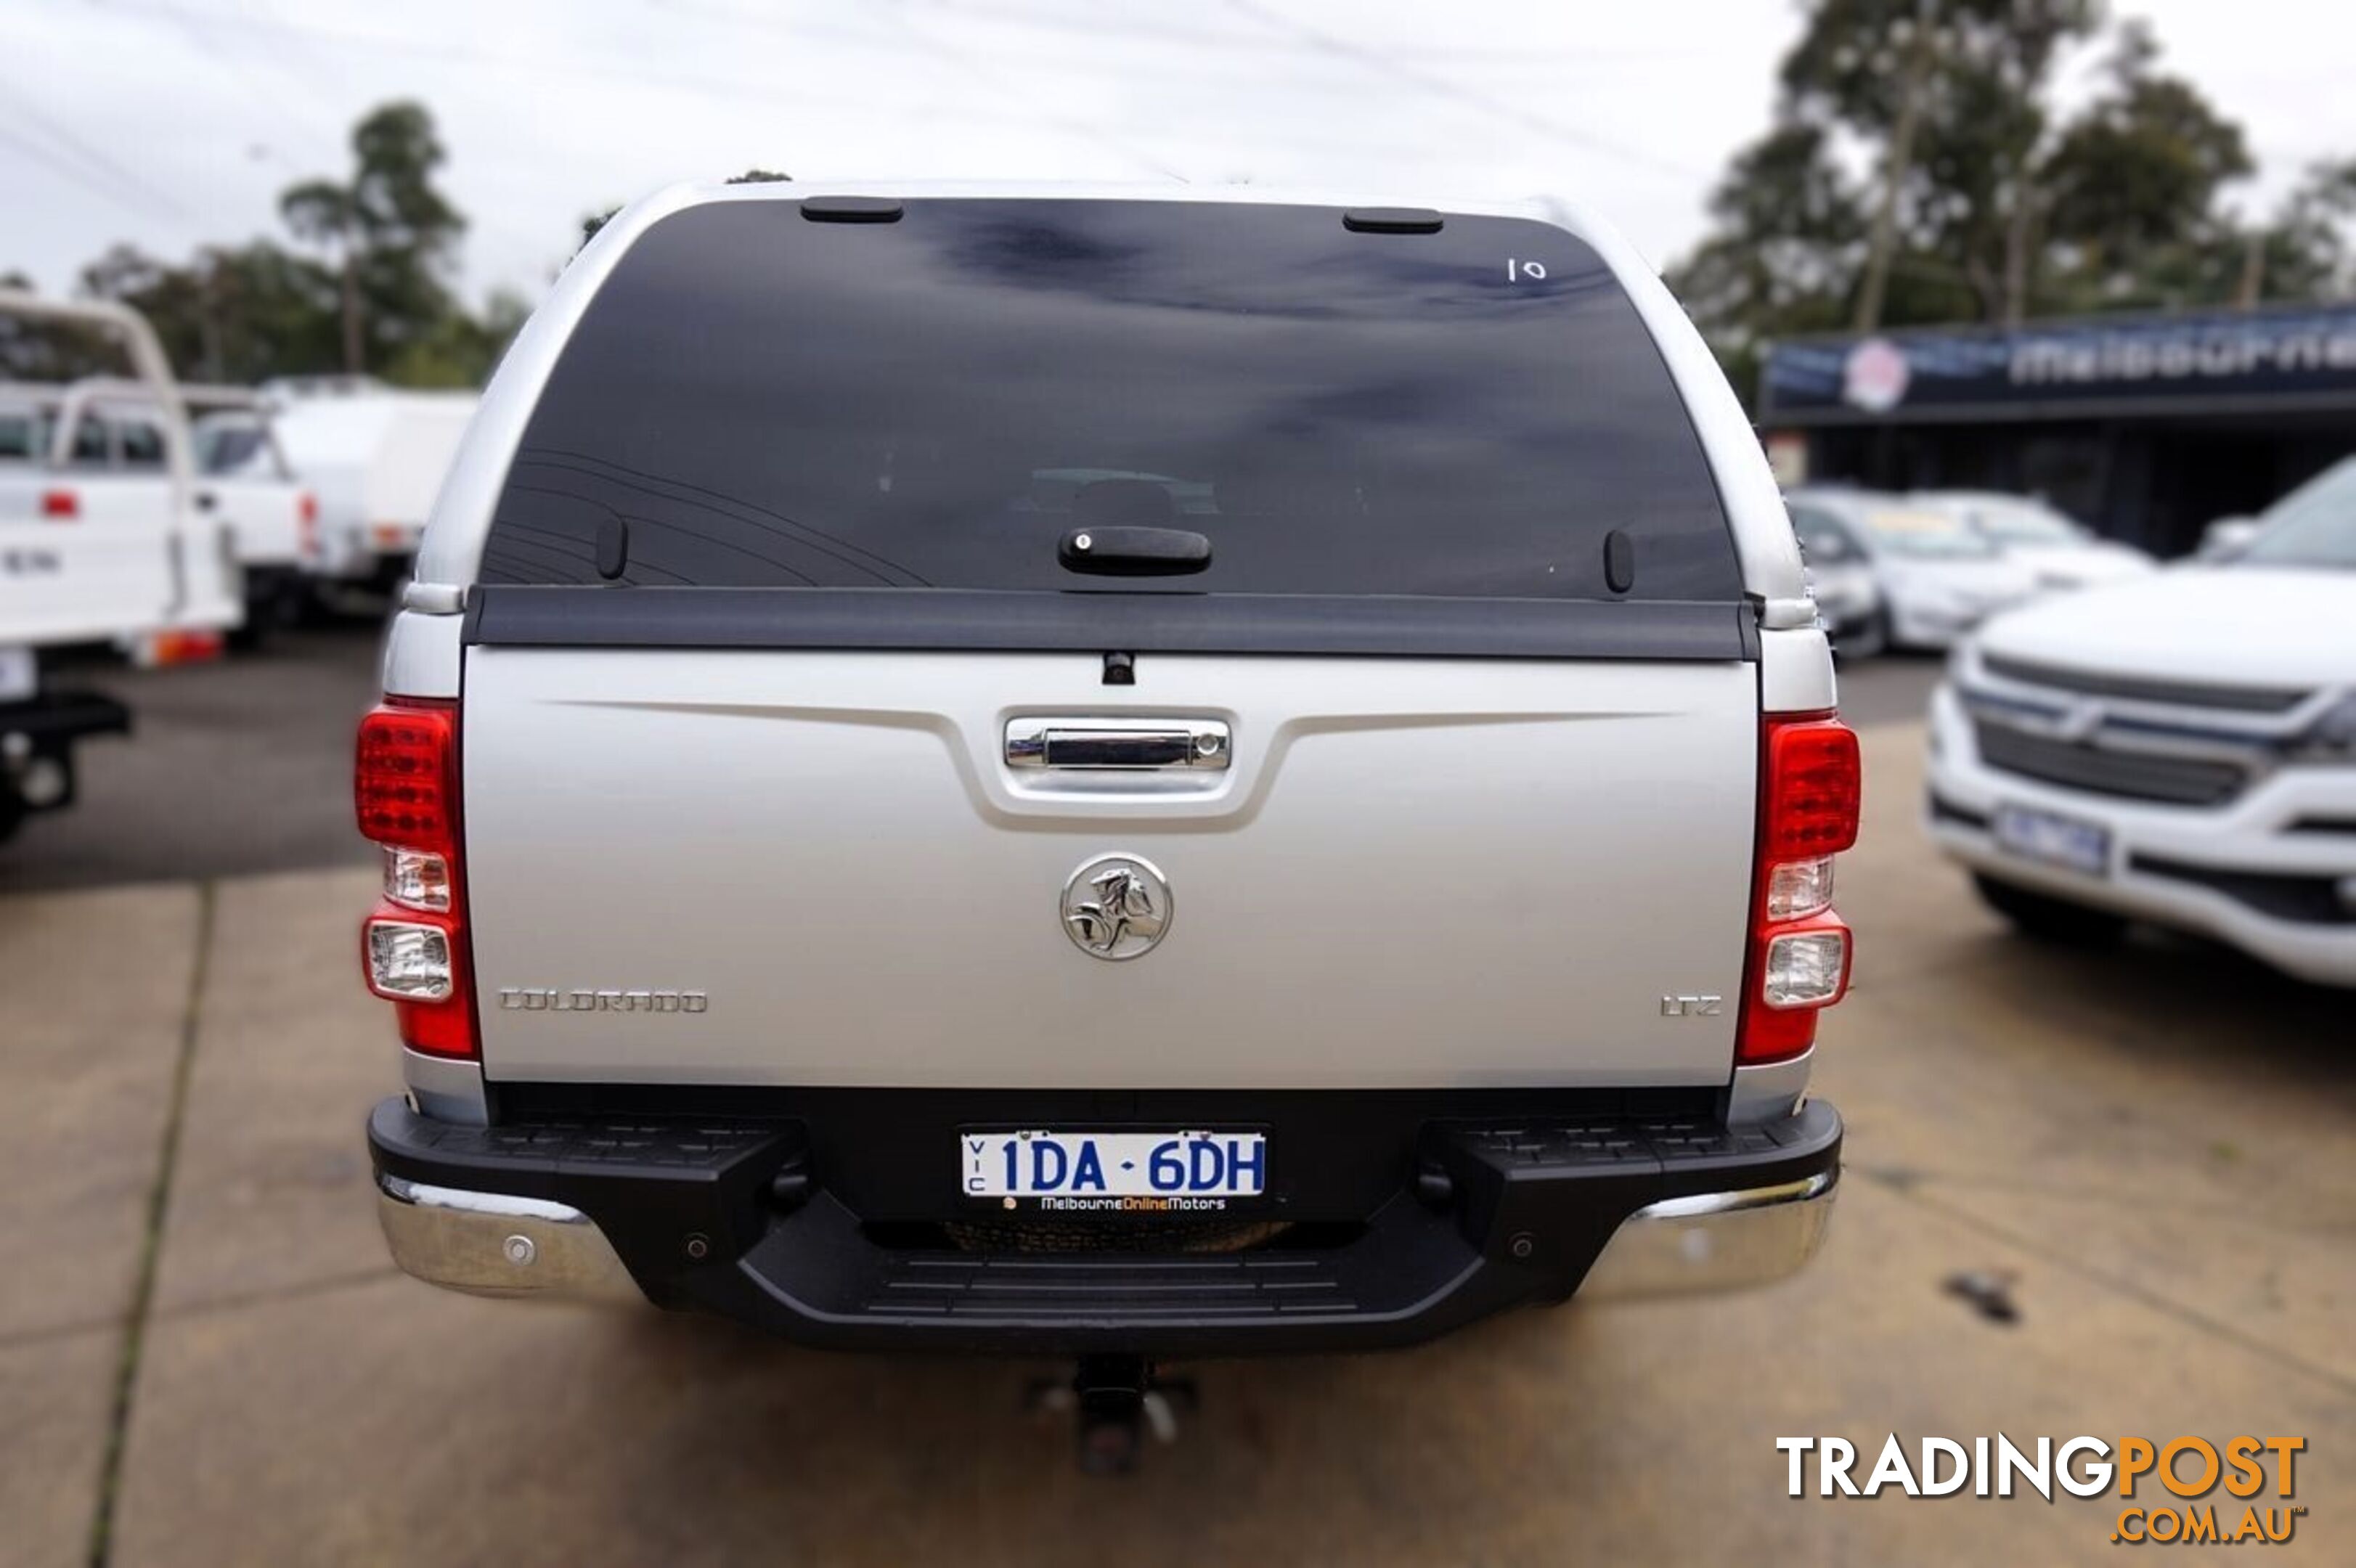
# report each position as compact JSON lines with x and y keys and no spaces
{"x":1114,"y":1401}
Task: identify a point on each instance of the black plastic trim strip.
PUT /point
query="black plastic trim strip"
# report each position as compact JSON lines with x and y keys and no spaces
{"x":2324,"y":824}
{"x":1392,"y":220}
{"x":2279,"y":895}
{"x":852,"y":209}
{"x":1944,"y":810}
{"x":2139,"y":688}
{"x":513,"y":615}
{"x":54,"y":718}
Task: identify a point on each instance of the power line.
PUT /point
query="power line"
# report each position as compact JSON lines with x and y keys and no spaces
{"x":634,"y":74}
{"x":98,"y":163}
{"x":969,"y":61}
{"x":990,"y":77}
{"x":1131,"y":26}
{"x":268,"y":93}
{"x":68,"y":172}
{"x":1440,"y":86}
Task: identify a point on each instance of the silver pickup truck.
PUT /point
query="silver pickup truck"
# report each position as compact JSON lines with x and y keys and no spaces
{"x":1123,"y":773}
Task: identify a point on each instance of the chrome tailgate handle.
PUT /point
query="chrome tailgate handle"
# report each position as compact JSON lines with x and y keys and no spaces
{"x":1062,"y":743}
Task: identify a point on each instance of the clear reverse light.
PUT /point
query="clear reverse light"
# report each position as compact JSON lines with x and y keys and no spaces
{"x":1797,"y":888}
{"x":1806,"y":969}
{"x":409,"y":961}
{"x":417,"y":878}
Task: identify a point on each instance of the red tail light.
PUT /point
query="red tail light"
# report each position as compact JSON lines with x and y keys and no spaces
{"x":60,"y":505}
{"x":162,"y":650}
{"x":1813,"y":780}
{"x":1810,"y":788}
{"x":413,"y":946}
{"x":405,"y":775}
{"x":307,"y":524}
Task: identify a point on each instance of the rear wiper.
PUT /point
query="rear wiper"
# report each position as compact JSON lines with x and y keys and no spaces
{"x":1133,"y":552}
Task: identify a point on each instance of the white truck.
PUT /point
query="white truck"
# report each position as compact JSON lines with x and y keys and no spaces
{"x":1118,"y":771}
{"x":96,"y":553}
{"x":241,"y":478}
{"x":373,"y":458}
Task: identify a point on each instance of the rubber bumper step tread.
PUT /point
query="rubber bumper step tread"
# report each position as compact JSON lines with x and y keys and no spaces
{"x":1047,"y":1289}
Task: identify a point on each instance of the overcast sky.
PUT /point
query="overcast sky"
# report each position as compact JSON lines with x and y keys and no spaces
{"x":172,"y":122}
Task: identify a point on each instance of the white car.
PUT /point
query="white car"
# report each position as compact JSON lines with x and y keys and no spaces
{"x":2062,"y":552}
{"x":1889,"y":573}
{"x":2179,"y":749}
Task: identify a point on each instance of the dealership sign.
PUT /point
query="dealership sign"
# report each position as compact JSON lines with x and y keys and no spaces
{"x":2089,"y":365}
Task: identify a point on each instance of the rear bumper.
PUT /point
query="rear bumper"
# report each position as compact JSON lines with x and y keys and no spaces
{"x":52,"y":720}
{"x":732,"y":1219}
{"x":37,"y":740}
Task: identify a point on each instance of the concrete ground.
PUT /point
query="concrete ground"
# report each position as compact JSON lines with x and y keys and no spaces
{"x":204,"y":1358}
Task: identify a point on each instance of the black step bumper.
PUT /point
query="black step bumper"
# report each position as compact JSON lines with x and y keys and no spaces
{"x":39,"y":732}
{"x":728,"y":1217}
{"x":49,"y":720}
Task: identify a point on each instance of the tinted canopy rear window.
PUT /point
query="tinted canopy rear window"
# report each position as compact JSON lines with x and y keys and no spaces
{"x":771,"y":402}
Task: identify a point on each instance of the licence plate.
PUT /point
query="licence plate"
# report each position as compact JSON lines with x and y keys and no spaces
{"x":2056,"y":840}
{"x":1112,"y":1166}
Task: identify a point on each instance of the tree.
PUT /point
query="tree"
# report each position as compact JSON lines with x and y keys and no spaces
{"x":2304,"y":252}
{"x":1947,"y":95}
{"x":231,"y":313}
{"x":460,"y":351}
{"x":1917,"y":170}
{"x":377,"y":300}
{"x":51,"y":350}
{"x":2131,"y":188}
{"x":1788,"y":237}
{"x":391,"y":232}
{"x":1942,"y":104}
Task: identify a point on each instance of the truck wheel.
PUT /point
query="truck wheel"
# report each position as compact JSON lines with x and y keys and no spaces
{"x":2050,"y":919}
{"x":12,"y":808}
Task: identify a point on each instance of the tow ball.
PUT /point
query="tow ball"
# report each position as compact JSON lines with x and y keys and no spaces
{"x":1114,"y":1401}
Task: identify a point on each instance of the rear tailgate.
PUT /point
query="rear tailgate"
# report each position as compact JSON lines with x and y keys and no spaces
{"x":84,"y":557}
{"x":797,"y":530}
{"x":265,"y":516}
{"x":1414,"y":872}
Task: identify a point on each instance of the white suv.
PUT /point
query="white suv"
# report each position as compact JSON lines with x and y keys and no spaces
{"x":2180,"y":748}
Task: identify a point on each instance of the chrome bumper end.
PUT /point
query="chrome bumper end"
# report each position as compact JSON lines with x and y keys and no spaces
{"x":1715,"y":1241}
{"x":491,"y":1243}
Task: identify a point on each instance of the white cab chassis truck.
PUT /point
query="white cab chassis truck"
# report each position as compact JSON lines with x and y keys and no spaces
{"x":239,"y":480}
{"x":95,"y":553}
{"x":1124,"y":773}
{"x":374,"y":458}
